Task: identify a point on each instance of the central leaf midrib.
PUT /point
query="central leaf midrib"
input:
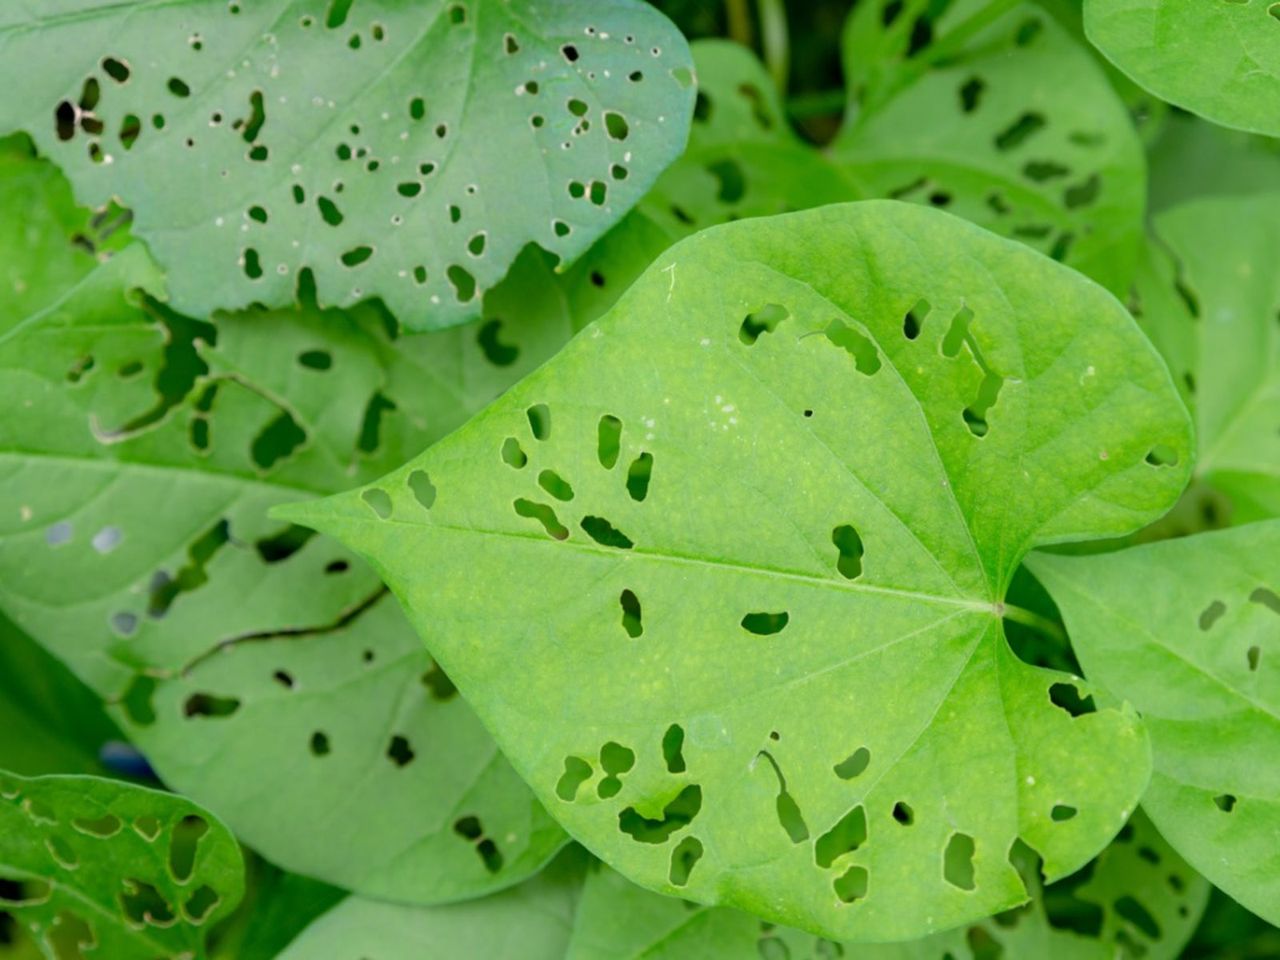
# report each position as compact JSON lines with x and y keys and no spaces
{"x":685,"y":559}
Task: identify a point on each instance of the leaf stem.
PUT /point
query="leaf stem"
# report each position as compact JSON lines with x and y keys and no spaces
{"x":739,"y":16}
{"x":1036,"y":622}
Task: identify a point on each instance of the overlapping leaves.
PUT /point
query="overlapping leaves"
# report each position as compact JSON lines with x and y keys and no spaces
{"x":373,"y":144}
{"x":137,"y":549}
{"x":112,"y":869}
{"x":712,"y":512}
{"x":1189,"y":632}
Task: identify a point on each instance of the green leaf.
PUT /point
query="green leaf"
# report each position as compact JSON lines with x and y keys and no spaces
{"x":379,"y":147}
{"x":1193,"y":158}
{"x":1210,"y":300}
{"x":762,"y":517}
{"x":1138,"y":899}
{"x":52,"y":723}
{"x":530,"y":922}
{"x":944,"y":128}
{"x":1000,"y":117}
{"x":1187,"y":631}
{"x":1217,"y":59}
{"x":235,"y":649}
{"x":125,"y":871}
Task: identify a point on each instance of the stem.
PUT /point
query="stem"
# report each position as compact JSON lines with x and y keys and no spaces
{"x":1036,"y":622}
{"x":739,"y":22}
{"x":775,"y":41}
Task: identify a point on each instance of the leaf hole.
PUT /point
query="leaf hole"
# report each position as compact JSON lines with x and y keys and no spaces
{"x":683,"y":859}
{"x":544,"y":514}
{"x":1069,"y":697}
{"x":399,"y":751}
{"x":865,"y":356}
{"x":576,"y":772}
{"x":555,"y":485}
{"x":512,"y":453}
{"x":766,"y":624}
{"x":847,"y":835}
{"x":903,"y":813}
{"x":1212,"y":614}
{"x":677,"y":814}
{"x":1162,"y":455}
{"x":605,"y":533}
{"x":608,"y":440}
{"x":638,"y":475}
{"x":424,"y":491}
{"x":210,"y":705}
{"x":853,"y":765}
{"x":103,"y":827}
{"x":319,"y":744}
{"x":851,"y":886}
{"x":849,"y":544}
{"x":631,"y":615}
{"x":379,"y":502}
{"x":673,"y":748}
{"x":183,"y":845}
{"x":539,"y":421}
{"x":1020,"y":131}
{"x":971,"y":94}
{"x":1266,"y":598}
{"x":957,"y":862}
{"x":1062,"y":812}
{"x":1226,"y":802}
{"x":765,"y":320}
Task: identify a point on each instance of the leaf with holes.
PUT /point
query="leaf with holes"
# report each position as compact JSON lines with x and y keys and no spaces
{"x":1217,"y":58}
{"x":233,"y":649}
{"x":378,"y":145}
{"x":1137,"y":899}
{"x":991,"y":110}
{"x":1189,"y":631}
{"x":725,"y":577}
{"x":530,"y":922}
{"x":1210,"y":301}
{"x":113,"y":869}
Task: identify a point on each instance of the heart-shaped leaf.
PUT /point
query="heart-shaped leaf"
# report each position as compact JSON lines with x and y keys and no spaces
{"x":1210,"y":300}
{"x":377,"y":145}
{"x":235,"y":649}
{"x":725,"y":577}
{"x":1189,"y":631}
{"x":114,"y":869}
{"x":1219,"y":59}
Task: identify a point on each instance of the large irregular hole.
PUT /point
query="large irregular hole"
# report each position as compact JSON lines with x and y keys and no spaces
{"x":638,"y":475}
{"x":957,"y":862}
{"x":683,"y":859}
{"x":673,"y":748}
{"x":606,"y":534}
{"x":677,"y":814}
{"x":788,"y":811}
{"x":854,"y":764}
{"x":555,"y":485}
{"x":424,"y":491}
{"x":765,"y":320}
{"x":278,"y":441}
{"x":848,"y":834}
{"x":183,"y":845}
{"x":539,"y":421}
{"x":210,"y":705}
{"x":1069,"y":697}
{"x":851,"y":886}
{"x":608,"y":440}
{"x":766,"y":624}
{"x":865,"y":356}
{"x":496,"y":352}
{"x":379,"y":502}
{"x":847,"y":541}
{"x":631,"y":614}
{"x":576,"y":772}
{"x":544,"y":515}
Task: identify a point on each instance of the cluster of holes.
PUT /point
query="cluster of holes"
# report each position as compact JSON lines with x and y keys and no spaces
{"x":470,"y":829}
{"x":1263,"y":597}
{"x":600,"y":529}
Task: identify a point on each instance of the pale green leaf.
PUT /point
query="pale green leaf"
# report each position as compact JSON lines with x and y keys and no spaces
{"x":378,"y":144}
{"x":1217,"y":58}
{"x":1193,"y":158}
{"x":1189,"y":632}
{"x":764,"y":521}
{"x":1001,"y":118}
{"x":530,"y":922}
{"x":108,"y":867}
{"x":1210,"y":300}
{"x":1138,"y":899}
{"x":235,"y":650}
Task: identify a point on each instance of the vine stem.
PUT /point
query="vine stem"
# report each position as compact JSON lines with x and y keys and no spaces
{"x":739,"y":16}
{"x":1036,"y":622}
